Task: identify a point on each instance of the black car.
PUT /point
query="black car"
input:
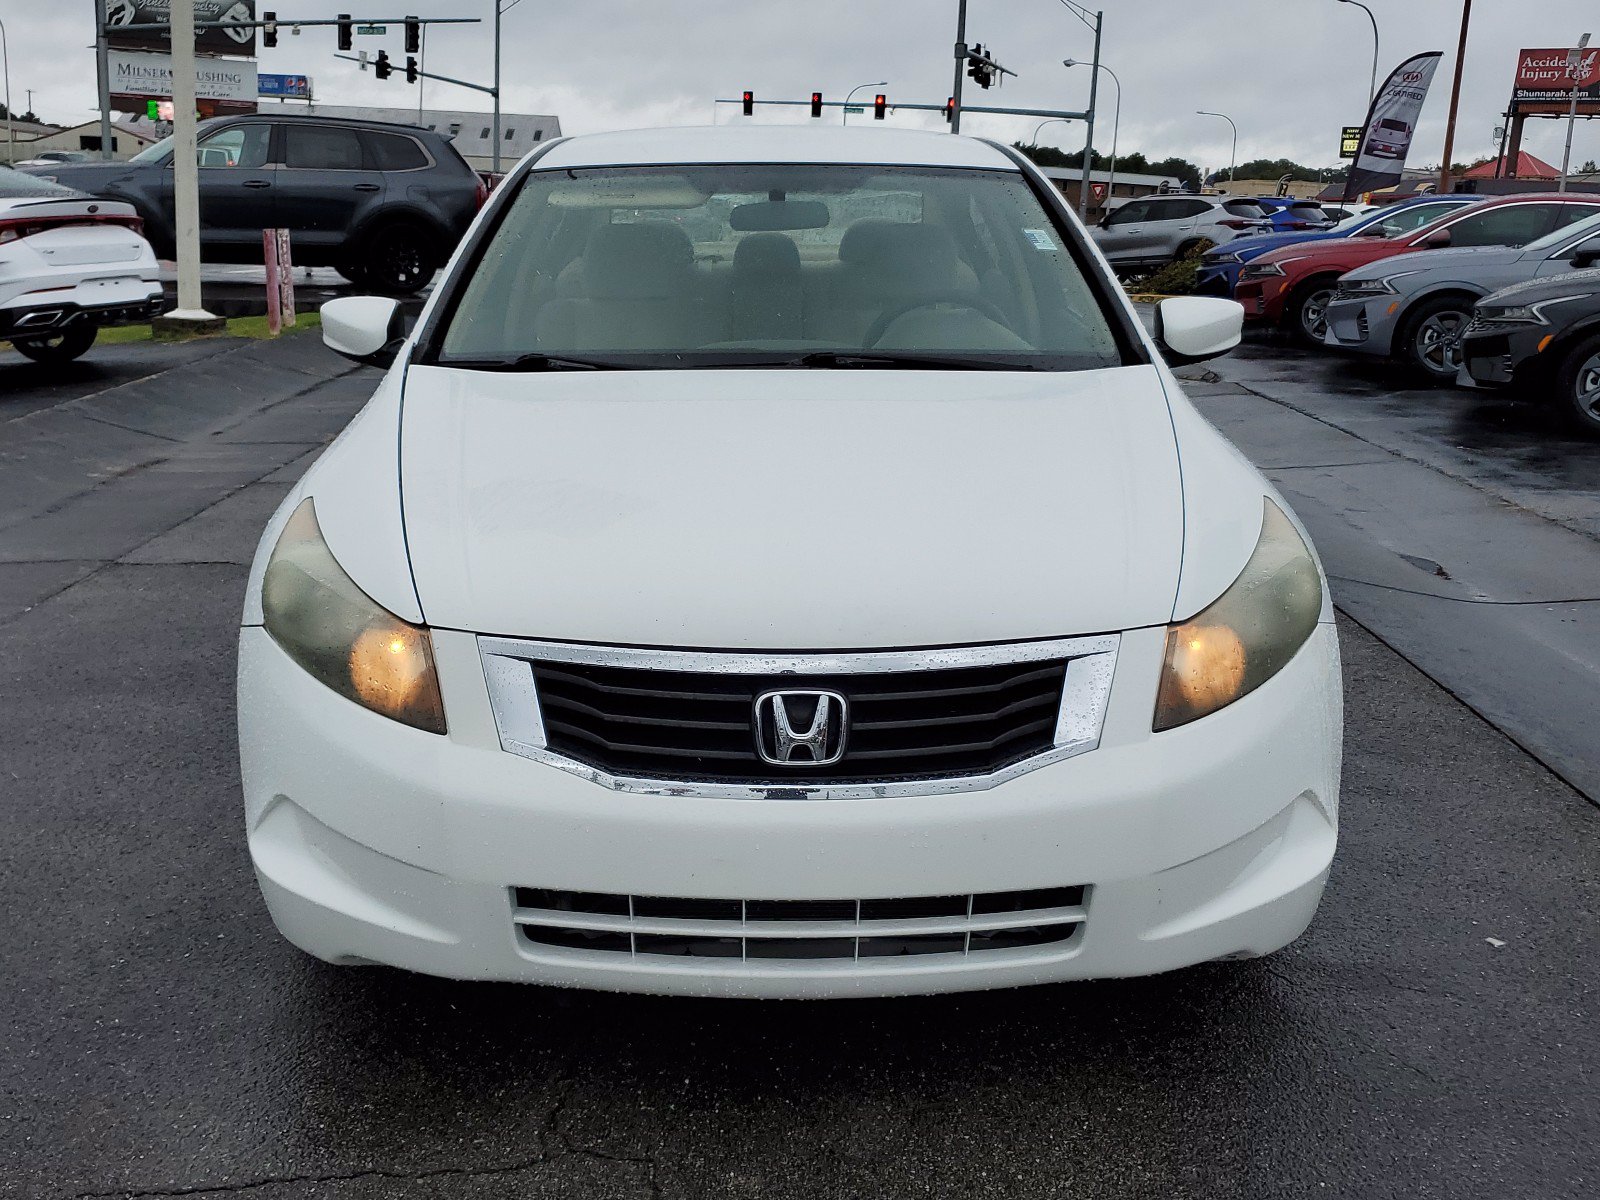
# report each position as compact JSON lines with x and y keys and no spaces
{"x":383,"y":204}
{"x":1542,"y":340}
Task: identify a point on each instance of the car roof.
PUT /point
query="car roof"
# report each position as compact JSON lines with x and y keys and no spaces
{"x":774,"y":143}
{"x":310,"y":119}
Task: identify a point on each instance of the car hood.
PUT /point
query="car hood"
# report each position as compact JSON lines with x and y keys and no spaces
{"x":1569,"y":283}
{"x":791,"y":509}
{"x":1463,"y":259}
{"x":1262,"y":242}
{"x":1338,"y":254}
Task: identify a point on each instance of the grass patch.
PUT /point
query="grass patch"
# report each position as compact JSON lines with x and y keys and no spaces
{"x":245,"y":327}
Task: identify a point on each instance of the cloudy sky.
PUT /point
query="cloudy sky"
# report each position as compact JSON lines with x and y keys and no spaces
{"x":1289,"y":72}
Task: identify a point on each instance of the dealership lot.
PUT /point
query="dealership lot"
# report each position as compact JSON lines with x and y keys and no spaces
{"x":1430,"y":1035}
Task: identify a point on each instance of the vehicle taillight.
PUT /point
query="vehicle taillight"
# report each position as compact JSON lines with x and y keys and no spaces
{"x":482,"y":195}
{"x":11,"y":230}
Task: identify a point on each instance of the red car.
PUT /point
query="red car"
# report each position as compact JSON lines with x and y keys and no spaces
{"x":1291,"y":287}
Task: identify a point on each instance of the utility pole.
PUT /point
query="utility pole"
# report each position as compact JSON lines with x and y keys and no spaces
{"x":1088,"y":140}
{"x":961,"y":62}
{"x":1455,"y":100}
{"x":11,"y":129}
{"x":102,"y":71}
{"x":189,"y":314}
{"x":1574,"y":66}
{"x":497,"y":12}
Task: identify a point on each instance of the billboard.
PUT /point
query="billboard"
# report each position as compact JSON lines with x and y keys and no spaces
{"x":1391,"y":124}
{"x":149,"y":77}
{"x":297,"y":87}
{"x":206,"y":41}
{"x":1544,"y":85}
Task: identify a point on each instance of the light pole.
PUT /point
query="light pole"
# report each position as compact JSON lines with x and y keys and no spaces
{"x":1233,"y":159}
{"x":1574,"y":66}
{"x":1116,"y":119}
{"x":1034,"y":140}
{"x":1372,"y":91}
{"x":844,"y":113}
{"x":11,"y":129}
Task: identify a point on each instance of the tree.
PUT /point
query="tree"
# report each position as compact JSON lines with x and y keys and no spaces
{"x":1589,"y":168}
{"x":1132,"y":164}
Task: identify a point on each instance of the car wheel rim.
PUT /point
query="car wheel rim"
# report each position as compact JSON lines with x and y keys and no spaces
{"x":401,"y":260}
{"x":1314,"y":314}
{"x":1439,"y":343}
{"x":1587,"y":389}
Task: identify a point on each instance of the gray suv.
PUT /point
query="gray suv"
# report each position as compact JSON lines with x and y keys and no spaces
{"x":1151,"y":231}
{"x":383,"y":204}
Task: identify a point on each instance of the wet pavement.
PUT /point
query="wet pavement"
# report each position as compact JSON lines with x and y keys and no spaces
{"x":1433,"y":1035}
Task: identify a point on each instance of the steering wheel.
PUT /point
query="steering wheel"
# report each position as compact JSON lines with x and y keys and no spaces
{"x":976,"y":303}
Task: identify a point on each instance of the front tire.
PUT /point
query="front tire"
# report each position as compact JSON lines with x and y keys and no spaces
{"x":399,"y":258}
{"x":72,"y":342}
{"x":1430,"y":341}
{"x":1578,"y":386}
{"x":1306,"y":313}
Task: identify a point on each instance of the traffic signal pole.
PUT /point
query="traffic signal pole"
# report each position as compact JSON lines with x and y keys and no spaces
{"x":1088,"y":142}
{"x":961,"y":62}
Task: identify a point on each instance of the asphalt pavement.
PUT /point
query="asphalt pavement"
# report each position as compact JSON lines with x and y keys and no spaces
{"x":1433,"y":1035}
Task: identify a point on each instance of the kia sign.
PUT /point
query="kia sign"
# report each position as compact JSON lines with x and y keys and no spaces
{"x":1544,"y":82}
{"x":121,"y":13}
{"x":145,"y":76}
{"x":1391,"y":124}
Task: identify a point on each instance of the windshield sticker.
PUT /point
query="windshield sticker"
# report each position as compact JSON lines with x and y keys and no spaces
{"x":1041,"y":239}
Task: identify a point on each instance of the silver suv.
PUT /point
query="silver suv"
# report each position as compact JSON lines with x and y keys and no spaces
{"x":1151,"y":231}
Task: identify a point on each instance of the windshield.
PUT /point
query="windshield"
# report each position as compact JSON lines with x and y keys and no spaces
{"x":762,"y":265}
{"x":1574,"y":232}
{"x":155,"y":152}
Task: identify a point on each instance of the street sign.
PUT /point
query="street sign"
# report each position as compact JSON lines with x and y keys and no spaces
{"x":1349,"y":141}
{"x":1098,"y":192}
{"x":854,"y":110}
{"x":372,"y":30}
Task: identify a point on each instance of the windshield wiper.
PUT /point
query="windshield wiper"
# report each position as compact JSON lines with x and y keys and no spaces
{"x":885,"y":359}
{"x":538,"y":362}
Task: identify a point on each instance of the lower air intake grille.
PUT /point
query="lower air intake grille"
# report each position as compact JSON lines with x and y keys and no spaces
{"x":1043,"y":919}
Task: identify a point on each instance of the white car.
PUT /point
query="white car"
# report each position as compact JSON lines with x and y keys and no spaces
{"x":69,"y":264}
{"x":1151,"y":231}
{"x":779,"y":564}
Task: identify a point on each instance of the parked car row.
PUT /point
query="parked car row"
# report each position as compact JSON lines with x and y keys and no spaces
{"x":1151,"y":231}
{"x":1425,"y":284}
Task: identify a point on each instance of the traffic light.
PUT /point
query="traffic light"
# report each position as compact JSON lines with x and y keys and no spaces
{"x":816,"y":104}
{"x":345,"y":31}
{"x":269,"y":30}
{"x":411,"y":69}
{"x":749,"y":103}
{"x":880,"y":105}
{"x":383,"y":68}
{"x":950,"y":111}
{"x":981,"y":72}
{"x":413,"y":35}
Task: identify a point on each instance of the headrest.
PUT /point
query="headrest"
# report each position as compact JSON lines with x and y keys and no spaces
{"x":912,"y":254}
{"x":767,"y":254}
{"x":650,"y":258}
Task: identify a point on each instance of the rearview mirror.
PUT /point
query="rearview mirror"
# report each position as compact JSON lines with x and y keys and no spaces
{"x":367,"y":329}
{"x":1191,"y":329}
{"x":1587,"y":253}
{"x":1437,"y":240}
{"x":769,"y":216}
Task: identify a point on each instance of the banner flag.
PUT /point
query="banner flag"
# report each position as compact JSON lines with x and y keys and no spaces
{"x":1391,"y":123}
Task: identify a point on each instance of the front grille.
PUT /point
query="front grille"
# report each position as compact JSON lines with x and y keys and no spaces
{"x":902,"y":725}
{"x":1048,"y":920}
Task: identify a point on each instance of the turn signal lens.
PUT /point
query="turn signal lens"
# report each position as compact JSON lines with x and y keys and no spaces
{"x":1247,"y":635}
{"x":341,"y":635}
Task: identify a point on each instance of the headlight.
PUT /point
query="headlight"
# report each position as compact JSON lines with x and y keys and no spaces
{"x":1522,"y":314}
{"x":1222,"y":256}
{"x":1245,"y":636}
{"x":341,"y":635}
{"x":1260,"y":270}
{"x":1357,"y":288}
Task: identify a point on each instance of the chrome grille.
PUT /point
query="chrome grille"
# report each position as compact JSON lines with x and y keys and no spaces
{"x":1043,"y":920}
{"x":685,"y":722}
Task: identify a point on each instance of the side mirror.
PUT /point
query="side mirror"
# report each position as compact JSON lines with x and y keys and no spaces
{"x":1586,"y":254}
{"x":367,"y":329}
{"x":1191,"y":329}
{"x":1382,"y":229}
{"x":1437,"y":240}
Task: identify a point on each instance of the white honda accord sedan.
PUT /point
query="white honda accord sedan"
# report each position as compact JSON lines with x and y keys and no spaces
{"x":778,"y":563}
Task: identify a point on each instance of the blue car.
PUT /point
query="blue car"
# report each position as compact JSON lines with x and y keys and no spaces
{"x":1219,"y":269}
{"x":1292,"y":215}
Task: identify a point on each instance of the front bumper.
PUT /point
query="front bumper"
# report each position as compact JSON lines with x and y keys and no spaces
{"x":1362,"y":325}
{"x":1501,"y":358}
{"x":1217,"y":279}
{"x":1262,"y":299}
{"x":374,"y":843}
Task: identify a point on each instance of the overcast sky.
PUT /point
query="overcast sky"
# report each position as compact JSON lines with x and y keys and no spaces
{"x":1289,"y":72}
